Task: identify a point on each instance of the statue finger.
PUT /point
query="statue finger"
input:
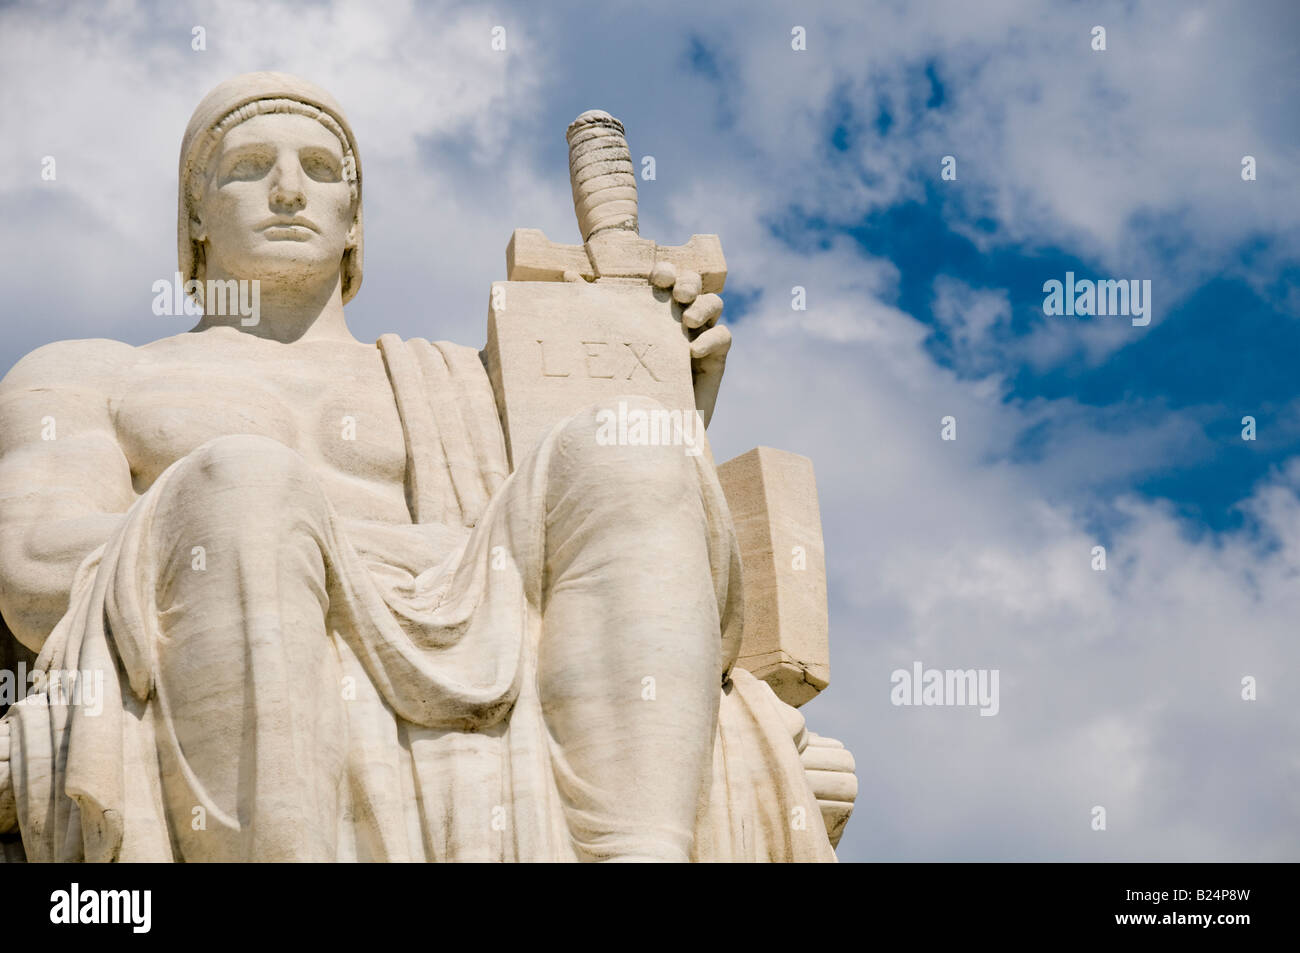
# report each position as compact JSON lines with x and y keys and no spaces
{"x":687,"y":287}
{"x":663,"y":274}
{"x":713,"y":344}
{"x":703,"y":312}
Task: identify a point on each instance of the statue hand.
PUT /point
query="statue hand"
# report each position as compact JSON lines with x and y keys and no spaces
{"x":710,"y":341}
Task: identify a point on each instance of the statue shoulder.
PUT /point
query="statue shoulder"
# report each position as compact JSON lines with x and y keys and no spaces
{"x":92,"y":363}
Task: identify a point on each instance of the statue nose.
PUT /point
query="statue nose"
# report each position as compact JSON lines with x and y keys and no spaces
{"x":287,"y":199}
{"x":286,"y":192}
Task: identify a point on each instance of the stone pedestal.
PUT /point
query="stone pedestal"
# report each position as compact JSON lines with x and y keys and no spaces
{"x":772,"y":495}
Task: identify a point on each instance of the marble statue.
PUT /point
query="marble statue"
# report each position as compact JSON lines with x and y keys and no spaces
{"x":344,"y":601}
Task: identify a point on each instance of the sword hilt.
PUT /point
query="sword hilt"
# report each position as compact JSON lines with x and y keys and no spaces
{"x":600,"y":168}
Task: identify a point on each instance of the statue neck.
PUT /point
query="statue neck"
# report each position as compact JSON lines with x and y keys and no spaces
{"x":285,"y":312}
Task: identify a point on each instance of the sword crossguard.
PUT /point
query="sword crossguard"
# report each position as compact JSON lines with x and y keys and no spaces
{"x":604,"y":198}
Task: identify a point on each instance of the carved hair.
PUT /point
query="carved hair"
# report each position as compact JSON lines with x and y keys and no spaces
{"x":226,"y":106}
{"x":207,"y":149}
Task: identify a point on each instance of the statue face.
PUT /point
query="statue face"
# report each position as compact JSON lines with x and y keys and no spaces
{"x":276,"y":204}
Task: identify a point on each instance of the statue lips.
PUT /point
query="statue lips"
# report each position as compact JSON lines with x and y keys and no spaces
{"x":296,"y":229}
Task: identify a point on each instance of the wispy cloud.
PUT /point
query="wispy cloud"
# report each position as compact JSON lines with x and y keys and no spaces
{"x":1119,"y":688}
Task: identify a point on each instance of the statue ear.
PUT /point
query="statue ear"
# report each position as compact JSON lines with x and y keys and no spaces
{"x":351,"y":240}
{"x":197,"y":232}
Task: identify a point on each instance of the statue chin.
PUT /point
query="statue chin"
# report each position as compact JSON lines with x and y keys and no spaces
{"x":291,"y":265}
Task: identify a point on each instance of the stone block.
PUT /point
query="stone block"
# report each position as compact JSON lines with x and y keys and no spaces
{"x":772,"y":495}
{"x":554,"y":348}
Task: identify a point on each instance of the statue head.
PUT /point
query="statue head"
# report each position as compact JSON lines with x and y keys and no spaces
{"x":270,"y":185}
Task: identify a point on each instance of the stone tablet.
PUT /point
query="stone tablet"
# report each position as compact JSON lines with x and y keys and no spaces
{"x":554,"y":348}
{"x":772,"y":495}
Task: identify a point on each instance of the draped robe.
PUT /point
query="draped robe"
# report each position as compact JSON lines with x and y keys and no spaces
{"x":447,"y":753}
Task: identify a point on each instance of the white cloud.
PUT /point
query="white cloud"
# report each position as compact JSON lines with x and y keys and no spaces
{"x":109,"y":98}
{"x":1129,"y":158}
{"x":1119,"y":688}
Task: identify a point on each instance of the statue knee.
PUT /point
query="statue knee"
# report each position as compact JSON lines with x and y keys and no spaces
{"x":246,"y":477}
{"x":631,"y":451}
{"x":246,"y":497}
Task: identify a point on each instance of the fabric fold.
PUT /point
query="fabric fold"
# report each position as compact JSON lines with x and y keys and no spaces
{"x":437,"y":623}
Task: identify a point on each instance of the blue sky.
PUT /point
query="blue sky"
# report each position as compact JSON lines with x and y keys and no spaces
{"x":820,"y":168}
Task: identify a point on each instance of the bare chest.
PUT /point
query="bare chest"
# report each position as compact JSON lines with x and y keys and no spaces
{"x":336,"y":409}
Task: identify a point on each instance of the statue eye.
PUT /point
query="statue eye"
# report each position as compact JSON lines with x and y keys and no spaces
{"x":247,"y":168}
{"x":322,"y":167}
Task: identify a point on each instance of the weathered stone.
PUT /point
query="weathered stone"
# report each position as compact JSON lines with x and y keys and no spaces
{"x":335,"y":624}
{"x":772,"y":495}
{"x":554,"y":348}
{"x":830,"y":768}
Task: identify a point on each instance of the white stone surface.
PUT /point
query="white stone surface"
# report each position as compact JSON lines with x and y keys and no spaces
{"x":554,"y":348}
{"x":335,"y":623}
{"x":772,"y":495}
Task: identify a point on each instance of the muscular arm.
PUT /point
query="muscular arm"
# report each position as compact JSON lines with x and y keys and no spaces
{"x":64,"y":481}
